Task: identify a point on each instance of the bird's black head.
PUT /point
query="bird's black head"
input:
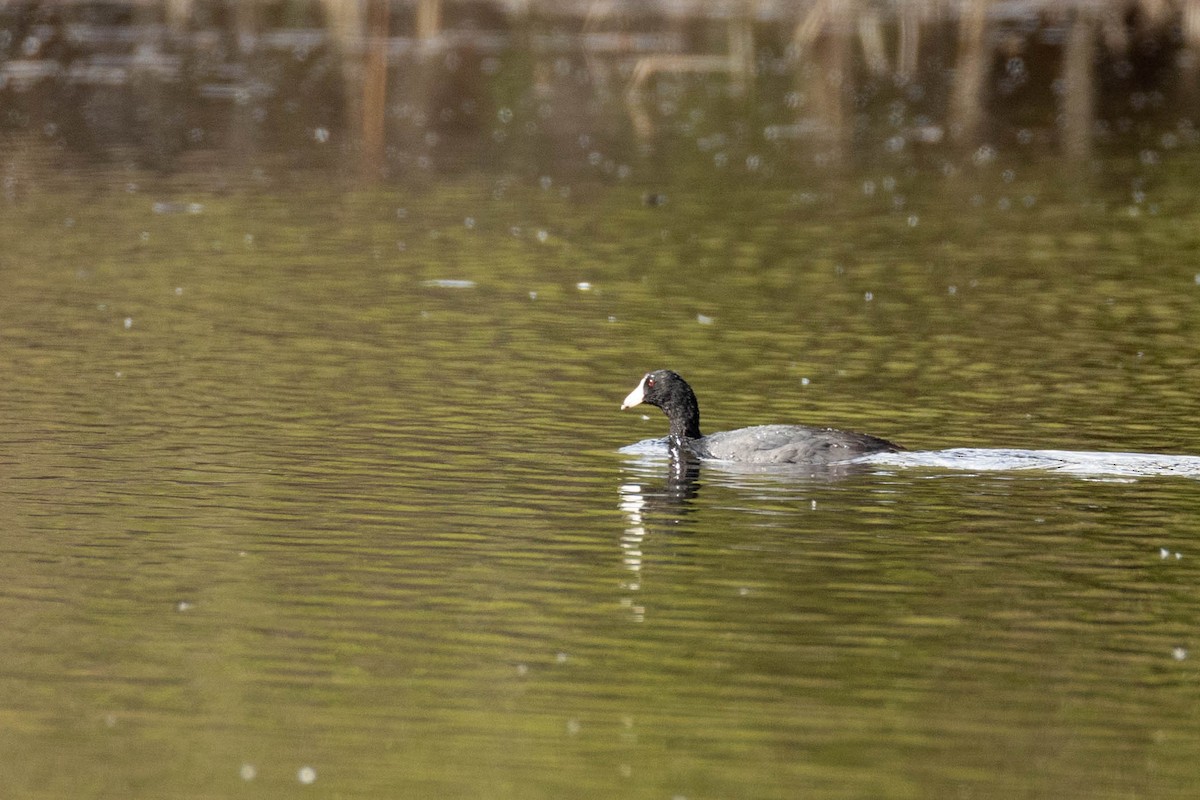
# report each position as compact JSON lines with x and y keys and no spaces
{"x":671,"y":393}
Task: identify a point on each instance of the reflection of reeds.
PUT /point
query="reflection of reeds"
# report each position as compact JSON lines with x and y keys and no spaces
{"x":822,"y":40}
{"x":974,"y":56}
{"x":429,"y":19}
{"x":842,"y":51}
{"x":374,"y":91}
{"x":737,"y":62}
{"x":1078,"y":106}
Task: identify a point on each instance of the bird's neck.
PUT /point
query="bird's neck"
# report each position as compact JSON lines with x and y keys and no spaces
{"x":685,"y":422}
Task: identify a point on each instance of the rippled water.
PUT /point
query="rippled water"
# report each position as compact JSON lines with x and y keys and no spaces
{"x":305,"y":485}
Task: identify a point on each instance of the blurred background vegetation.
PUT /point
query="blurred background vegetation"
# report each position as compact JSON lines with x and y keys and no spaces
{"x":400,"y":89}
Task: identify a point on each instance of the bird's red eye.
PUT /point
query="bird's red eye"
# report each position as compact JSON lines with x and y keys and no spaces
{"x":649,"y":383}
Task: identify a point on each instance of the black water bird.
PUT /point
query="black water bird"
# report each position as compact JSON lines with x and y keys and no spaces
{"x":759,"y":444}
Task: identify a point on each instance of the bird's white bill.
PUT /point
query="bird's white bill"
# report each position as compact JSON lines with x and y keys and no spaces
{"x":635,"y":397}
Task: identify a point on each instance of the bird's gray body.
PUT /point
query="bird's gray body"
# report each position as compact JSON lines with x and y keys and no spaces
{"x":786,"y":444}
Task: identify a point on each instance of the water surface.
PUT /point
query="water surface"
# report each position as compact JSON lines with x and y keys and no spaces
{"x":299,"y":476}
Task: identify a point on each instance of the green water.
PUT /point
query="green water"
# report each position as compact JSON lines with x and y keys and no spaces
{"x":275,"y":496}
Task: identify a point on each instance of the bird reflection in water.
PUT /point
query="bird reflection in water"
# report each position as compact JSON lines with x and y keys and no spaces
{"x":657,"y":499}
{"x":671,"y":499}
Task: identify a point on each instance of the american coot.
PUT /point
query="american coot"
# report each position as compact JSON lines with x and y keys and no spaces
{"x":760,"y":444}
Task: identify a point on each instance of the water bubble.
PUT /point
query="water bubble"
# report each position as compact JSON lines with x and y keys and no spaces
{"x":986,"y":154}
{"x":804,"y":381}
{"x":248,"y":772}
{"x":704,"y":319}
{"x":583,"y":286}
{"x":469,"y":222}
{"x":868,"y":188}
{"x":913,"y":220}
{"x":1179,"y":654}
{"x":543,"y":236}
{"x":321,"y":135}
{"x":183,"y":605}
{"x":868,"y":296}
{"x":505,"y":115}
{"x":128,"y":323}
{"x":306,"y":775}
{"x":545,"y":181}
{"x":561,"y":658}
